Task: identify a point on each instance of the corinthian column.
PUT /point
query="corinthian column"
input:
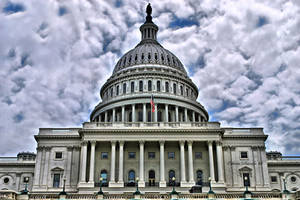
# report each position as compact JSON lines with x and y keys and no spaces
{"x":141,"y":181}
{"x":211,"y":162}
{"x":162,"y":182}
{"x":113,"y":162}
{"x":182,"y":162}
{"x":220,"y":162}
{"x":191,"y":167}
{"x":121,"y":162}
{"x":92,"y":162}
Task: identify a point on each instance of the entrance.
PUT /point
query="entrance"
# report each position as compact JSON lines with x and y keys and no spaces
{"x":151,"y":178}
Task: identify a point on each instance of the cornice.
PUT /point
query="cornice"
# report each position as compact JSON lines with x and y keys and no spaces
{"x":39,"y":137}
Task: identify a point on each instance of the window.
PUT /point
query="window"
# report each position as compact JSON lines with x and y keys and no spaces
{"x":124,"y":88}
{"x":198,"y":155}
{"x":103,"y":175}
{"x":131,"y":176}
{"x":132,"y":87}
{"x":104,"y":155}
{"x":181,"y":90}
{"x":141,"y":86}
{"x":293,"y":179}
{"x":111,"y":92}
{"x":131,"y":155}
{"x":244,"y":154}
{"x":117,"y":90}
{"x":140,"y":116}
{"x":58,"y":155}
{"x":171,"y":155}
{"x":151,"y":178}
{"x":246,"y":180}
{"x":158,"y":86}
{"x":187,"y":92}
{"x":174,"y":88}
{"x":274,"y":179}
{"x":171,"y":175}
{"x":199,"y":177}
{"x":151,"y":155}
{"x":149,"y":85}
{"x":56,"y":180}
{"x":6,"y":180}
{"x":167,"y":86}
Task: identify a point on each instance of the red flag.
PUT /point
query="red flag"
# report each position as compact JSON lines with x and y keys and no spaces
{"x":152,"y":103}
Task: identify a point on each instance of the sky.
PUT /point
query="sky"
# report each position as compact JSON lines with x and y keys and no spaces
{"x":243,"y":55}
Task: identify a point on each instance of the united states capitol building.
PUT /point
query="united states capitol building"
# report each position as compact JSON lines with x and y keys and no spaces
{"x":149,"y":131}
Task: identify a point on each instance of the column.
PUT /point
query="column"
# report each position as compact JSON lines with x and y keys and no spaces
{"x":105,"y":116}
{"x":69,"y":165}
{"x":191,"y":167}
{"x":220,"y":162}
{"x":144,"y":113}
{"x":37,"y":168}
{"x":121,"y":161}
{"x":113,"y":115}
{"x":182,"y":162}
{"x":46,"y":165}
{"x":166,"y":113}
{"x":141,"y":181}
{"x":113,"y":162}
{"x":92,"y":162}
{"x":133,"y":113}
{"x":194,"y":118}
{"x":83,"y":162}
{"x":155,"y":113}
{"x":211,"y":162}
{"x":123,"y":114}
{"x":176,"y":114}
{"x":162,"y":182}
{"x":185,"y":115}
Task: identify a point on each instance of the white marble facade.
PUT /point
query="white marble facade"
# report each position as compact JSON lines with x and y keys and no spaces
{"x":125,"y":139}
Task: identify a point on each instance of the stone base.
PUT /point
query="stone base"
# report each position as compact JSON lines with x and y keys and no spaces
{"x":115,"y":184}
{"x":23,"y":197}
{"x":62,"y":197}
{"x":162,"y":184}
{"x":86,"y":185}
{"x":186,"y":184}
{"x":141,"y":183}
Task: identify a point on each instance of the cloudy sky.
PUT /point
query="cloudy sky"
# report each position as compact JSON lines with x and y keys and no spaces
{"x":244,"y":56}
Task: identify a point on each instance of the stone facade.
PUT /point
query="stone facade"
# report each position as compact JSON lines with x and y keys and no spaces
{"x":149,"y":126}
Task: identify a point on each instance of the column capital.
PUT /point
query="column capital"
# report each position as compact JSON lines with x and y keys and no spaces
{"x":83,"y":143}
{"x":181,"y":142}
{"x":113,"y":142}
{"x":40,"y":148}
{"x":47,"y":148}
{"x":190,"y":142}
{"x":70,"y":148}
{"x":141,"y":142}
{"x":121,"y":142}
{"x":161,"y":142}
{"x":219,"y":143}
{"x":210,"y":142}
{"x":93,"y":142}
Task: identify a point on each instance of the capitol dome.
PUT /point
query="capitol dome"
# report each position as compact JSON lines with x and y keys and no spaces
{"x":149,"y":71}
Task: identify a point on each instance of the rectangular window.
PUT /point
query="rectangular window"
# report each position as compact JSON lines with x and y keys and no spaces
{"x":149,"y":85}
{"x":187,"y":92}
{"x":132,"y":87}
{"x":246,"y":179}
{"x":198,"y":155}
{"x":131,"y":155}
{"x":274,"y":179}
{"x":124,"y":88}
{"x":244,"y":154}
{"x":181,"y":90}
{"x":111,"y":92}
{"x":117,"y":90}
{"x":158,"y":86}
{"x":141,"y":86}
{"x":174,"y":88}
{"x":167,"y":86}
{"x":104,"y":155}
{"x":58,"y":155}
{"x":151,"y":155}
{"x":56,"y":180}
{"x":171,"y":155}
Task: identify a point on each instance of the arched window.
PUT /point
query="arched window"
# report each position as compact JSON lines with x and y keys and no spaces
{"x":124,"y":88}
{"x":149,"y":85}
{"x":103,"y":175}
{"x":131,"y":176}
{"x":141,"y":86}
{"x":111,"y":92}
{"x":117,"y":92}
{"x":171,"y":175}
{"x":199,"y":177}
{"x":174,"y":88}
{"x":158,"y":86}
{"x":132,"y":87}
{"x":167,"y":86}
{"x":181,"y":90}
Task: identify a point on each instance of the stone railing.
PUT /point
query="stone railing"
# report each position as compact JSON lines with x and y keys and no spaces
{"x":88,"y":125}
